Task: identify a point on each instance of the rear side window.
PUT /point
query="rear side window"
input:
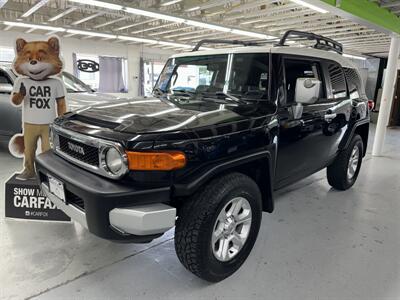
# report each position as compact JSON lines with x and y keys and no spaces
{"x":354,"y":83}
{"x":338,"y":81}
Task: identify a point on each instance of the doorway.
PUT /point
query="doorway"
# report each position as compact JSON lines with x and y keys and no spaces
{"x":395,"y":113}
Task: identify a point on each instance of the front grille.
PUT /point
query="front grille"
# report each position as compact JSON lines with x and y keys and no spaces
{"x":77,"y":150}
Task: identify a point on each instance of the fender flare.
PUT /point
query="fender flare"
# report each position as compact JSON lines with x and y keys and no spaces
{"x":191,"y":185}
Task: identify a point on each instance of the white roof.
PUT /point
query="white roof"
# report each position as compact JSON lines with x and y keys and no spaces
{"x":311,"y":52}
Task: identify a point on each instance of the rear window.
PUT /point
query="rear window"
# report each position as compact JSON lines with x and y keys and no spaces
{"x":338,"y":81}
{"x":354,"y":83}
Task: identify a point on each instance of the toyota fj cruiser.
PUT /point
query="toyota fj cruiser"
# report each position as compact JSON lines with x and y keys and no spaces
{"x":224,"y":130}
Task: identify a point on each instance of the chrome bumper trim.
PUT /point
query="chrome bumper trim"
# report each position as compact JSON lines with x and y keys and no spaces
{"x":73,"y":212}
{"x":144,"y":219}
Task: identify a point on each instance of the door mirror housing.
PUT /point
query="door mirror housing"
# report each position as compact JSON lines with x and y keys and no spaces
{"x":6,"y":88}
{"x":307,"y":90}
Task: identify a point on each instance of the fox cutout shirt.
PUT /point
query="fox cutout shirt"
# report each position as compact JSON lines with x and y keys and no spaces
{"x":39,"y":105}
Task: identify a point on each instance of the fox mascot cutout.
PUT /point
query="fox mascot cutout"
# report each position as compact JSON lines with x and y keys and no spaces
{"x":41,"y":95}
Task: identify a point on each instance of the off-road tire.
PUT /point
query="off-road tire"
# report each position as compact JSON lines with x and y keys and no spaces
{"x":196,"y":219}
{"x":337,"y":171}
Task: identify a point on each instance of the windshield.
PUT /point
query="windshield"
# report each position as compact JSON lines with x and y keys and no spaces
{"x":247,"y":76}
{"x":74,"y":85}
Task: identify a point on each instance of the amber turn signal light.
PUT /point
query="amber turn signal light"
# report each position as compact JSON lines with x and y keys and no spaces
{"x":156,"y":161}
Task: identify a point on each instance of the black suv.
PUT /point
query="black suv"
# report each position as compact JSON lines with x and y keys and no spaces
{"x":224,"y":130}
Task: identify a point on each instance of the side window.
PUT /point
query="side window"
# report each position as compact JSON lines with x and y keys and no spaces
{"x":295,"y":69}
{"x":354,"y":83}
{"x":338,"y":82}
{"x":4,"y":79}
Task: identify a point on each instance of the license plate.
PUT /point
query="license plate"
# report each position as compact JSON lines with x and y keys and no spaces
{"x":56,"y":187}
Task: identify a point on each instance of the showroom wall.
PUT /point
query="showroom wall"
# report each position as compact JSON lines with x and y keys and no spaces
{"x":132,"y":53}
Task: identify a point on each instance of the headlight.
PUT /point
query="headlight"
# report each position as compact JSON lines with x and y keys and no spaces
{"x":114,"y":160}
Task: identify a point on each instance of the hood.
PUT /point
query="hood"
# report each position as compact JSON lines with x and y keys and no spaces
{"x":147,"y":115}
{"x":79,"y":100}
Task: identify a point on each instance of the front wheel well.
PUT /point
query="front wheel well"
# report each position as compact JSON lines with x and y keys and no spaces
{"x":363,"y":131}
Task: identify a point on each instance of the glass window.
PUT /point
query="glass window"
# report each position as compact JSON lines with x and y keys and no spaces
{"x":197,"y":74}
{"x":338,"y":81}
{"x":6,"y":55}
{"x":4,"y":79}
{"x":91,"y":79}
{"x":295,"y":69}
{"x":354,"y":83}
{"x":73,"y":84}
{"x":249,"y":75}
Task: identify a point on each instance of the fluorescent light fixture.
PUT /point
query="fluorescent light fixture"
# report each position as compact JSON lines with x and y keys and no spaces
{"x":208,"y":26}
{"x":314,"y":7}
{"x":26,"y":25}
{"x":354,"y":56}
{"x":35,"y":8}
{"x":63,"y":14}
{"x":193,"y":8}
{"x":88,"y":18}
{"x":170,"y":2}
{"x":3,"y":2}
{"x":99,"y":4}
{"x":170,"y":18}
{"x":252,"y":34}
{"x":90,"y":33}
{"x":110,"y":22}
{"x":135,"y":39}
{"x":151,"y":14}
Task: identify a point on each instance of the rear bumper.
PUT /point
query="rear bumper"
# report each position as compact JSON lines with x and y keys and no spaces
{"x":107,"y":208}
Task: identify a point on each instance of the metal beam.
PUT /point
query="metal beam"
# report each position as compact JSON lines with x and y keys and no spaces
{"x":366,"y":12}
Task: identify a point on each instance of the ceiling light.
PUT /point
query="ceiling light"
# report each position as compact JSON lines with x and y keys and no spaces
{"x":151,"y":14}
{"x":68,"y":11}
{"x":253,"y":34}
{"x":2,"y":3}
{"x":208,"y":26}
{"x":135,"y":39}
{"x":314,"y":7}
{"x":34,"y":8}
{"x":90,"y":33}
{"x":26,"y":25}
{"x":99,"y":4}
{"x":170,"y":2}
{"x":110,"y":22}
{"x":193,"y":8}
{"x":87,"y":18}
{"x":354,"y":56}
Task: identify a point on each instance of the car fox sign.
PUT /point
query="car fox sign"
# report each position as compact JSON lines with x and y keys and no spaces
{"x":25,"y":200}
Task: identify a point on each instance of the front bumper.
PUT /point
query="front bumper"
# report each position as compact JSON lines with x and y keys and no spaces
{"x":107,"y":208}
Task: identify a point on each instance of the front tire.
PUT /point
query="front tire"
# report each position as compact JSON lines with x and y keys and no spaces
{"x":218,"y":227}
{"x":343,"y":172}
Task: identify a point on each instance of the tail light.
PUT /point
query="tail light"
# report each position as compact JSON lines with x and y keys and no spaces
{"x":371,"y":104}
{"x":156,"y":161}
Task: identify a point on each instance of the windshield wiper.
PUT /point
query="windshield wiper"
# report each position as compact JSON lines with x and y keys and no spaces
{"x":231,"y":97}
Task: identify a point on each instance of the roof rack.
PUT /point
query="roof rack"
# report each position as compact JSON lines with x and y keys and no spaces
{"x":232,"y":42}
{"x":323,"y":43}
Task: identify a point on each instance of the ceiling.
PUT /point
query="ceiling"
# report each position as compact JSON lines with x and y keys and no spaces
{"x":180,"y":24}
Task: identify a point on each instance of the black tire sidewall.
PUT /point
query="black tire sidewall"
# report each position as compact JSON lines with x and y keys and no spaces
{"x":356,"y":142}
{"x":219,"y":269}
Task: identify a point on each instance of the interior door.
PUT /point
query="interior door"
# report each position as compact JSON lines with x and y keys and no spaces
{"x":310,"y":133}
{"x":10,"y":116}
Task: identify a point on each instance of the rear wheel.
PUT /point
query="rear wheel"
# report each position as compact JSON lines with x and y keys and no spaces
{"x":218,"y":227}
{"x":343,"y":172}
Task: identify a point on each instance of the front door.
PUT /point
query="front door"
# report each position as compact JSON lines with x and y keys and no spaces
{"x":310,"y":132}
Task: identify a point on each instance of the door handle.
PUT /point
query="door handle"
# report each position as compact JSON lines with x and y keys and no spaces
{"x":329,"y":117}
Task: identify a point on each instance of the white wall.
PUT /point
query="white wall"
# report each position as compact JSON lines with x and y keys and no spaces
{"x":89,"y":46}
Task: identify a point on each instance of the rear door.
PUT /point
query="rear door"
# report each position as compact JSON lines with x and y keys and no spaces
{"x":10,"y":116}
{"x":310,"y":133}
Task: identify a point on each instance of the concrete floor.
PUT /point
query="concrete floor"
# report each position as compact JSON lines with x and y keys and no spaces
{"x":318,"y":244}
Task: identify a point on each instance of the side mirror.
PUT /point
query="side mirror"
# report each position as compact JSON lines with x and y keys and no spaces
{"x":307,"y":90}
{"x":6,"y":88}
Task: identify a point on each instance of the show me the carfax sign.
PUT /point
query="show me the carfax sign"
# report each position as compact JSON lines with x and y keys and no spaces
{"x":25,"y":200}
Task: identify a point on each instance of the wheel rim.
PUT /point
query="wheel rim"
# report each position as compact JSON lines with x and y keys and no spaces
{"x":231,"y":229}
{"x":353,"y":162}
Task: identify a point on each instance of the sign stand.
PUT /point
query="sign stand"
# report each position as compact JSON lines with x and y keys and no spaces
{"x":25,"y":200}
